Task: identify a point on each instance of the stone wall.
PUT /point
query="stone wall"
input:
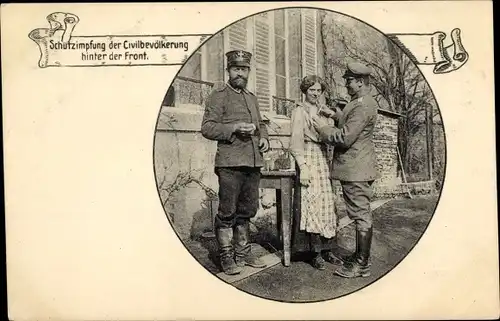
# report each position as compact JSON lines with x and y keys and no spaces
{"x":414,"y":189}
{"x":386,"y":140}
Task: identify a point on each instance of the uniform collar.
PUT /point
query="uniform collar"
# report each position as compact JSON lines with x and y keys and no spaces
{"x":359,"y":95}
{"x":237,"y":90}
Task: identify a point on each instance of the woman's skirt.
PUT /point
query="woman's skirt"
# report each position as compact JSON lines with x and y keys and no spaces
{"x":318,"y":212}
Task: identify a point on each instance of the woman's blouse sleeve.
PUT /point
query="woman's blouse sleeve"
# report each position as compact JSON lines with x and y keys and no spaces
{"x":297,"y":136}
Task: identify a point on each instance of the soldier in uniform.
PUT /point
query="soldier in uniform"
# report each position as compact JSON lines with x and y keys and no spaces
{"x":354,"y":162}
{"x":232,"y":118}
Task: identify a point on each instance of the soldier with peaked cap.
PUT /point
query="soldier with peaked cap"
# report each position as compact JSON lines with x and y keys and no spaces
{"x":354,"y":162}
{"x":232,"y":118}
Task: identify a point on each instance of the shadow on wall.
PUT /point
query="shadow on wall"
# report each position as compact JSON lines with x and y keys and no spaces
{"x":169,"y":99}
{"x":189,"y":210}
{"x":264,"y":223}
{"x":202,"y":243}
{"x":203,"y":218}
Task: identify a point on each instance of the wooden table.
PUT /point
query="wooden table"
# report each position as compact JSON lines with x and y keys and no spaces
{"x":284,"y":182}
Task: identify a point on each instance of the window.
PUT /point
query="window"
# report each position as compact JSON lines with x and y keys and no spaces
{"x":192,"y":67}
{"x":207,"y":63}
{"x":198,"y":75}
{"x":213,"y":59}
{"x":284,"y":48}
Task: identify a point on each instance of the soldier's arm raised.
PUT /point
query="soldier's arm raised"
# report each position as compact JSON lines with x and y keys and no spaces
{"x":354,"y":124}
{"x":212,"y":126}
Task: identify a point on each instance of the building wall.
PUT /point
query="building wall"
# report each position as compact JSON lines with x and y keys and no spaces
{"x":181,"y":152}
{"x":286,"y":45}
{"x":179,"y":146}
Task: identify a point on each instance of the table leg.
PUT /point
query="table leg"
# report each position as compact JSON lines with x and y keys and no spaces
{"x":279,"y":214}
{"x":286,"y":212}
{"x":296,"y":207}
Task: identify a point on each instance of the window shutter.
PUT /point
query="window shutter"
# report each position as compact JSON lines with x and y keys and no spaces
{"x":294,"y":52}
{"x":309,"y":36}
{"x":262,"y":61}
{"x":238,"y":36}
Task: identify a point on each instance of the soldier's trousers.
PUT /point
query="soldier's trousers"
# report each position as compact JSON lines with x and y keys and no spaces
{"x":238,"y":195}
{"x":357,"y":196}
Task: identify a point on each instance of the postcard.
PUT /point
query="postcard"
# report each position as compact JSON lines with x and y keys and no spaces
{"x":250,"y":161}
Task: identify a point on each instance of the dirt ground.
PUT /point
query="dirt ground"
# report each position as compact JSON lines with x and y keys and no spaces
{"x":398,"y":225}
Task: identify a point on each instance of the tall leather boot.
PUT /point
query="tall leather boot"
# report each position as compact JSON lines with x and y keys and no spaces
{"x":360,"y":267}
{"x":243,"y":248}
{"x":354,"y":256}
{"x":365,"y":247}
{"x":225,"y":240}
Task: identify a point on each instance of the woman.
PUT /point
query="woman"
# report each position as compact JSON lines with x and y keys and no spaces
{"x":318,"y":214}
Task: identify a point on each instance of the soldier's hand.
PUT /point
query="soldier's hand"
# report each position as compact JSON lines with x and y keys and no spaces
{"x":327,"y":112}
{"x":244,"y":128}
{"x":338,"y":113}
{"x":263,"y":145}
{"x":319,"y":122}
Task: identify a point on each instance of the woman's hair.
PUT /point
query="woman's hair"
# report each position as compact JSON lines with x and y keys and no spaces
{"x":309,"y":81}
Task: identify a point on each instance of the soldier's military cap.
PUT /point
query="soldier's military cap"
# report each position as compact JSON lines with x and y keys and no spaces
{"x":357,"y":69}
{"x":238,"y":58}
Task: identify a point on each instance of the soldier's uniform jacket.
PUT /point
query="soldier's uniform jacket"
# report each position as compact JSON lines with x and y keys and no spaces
{"x":226,"y":107}
{"x":354,"y":158}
